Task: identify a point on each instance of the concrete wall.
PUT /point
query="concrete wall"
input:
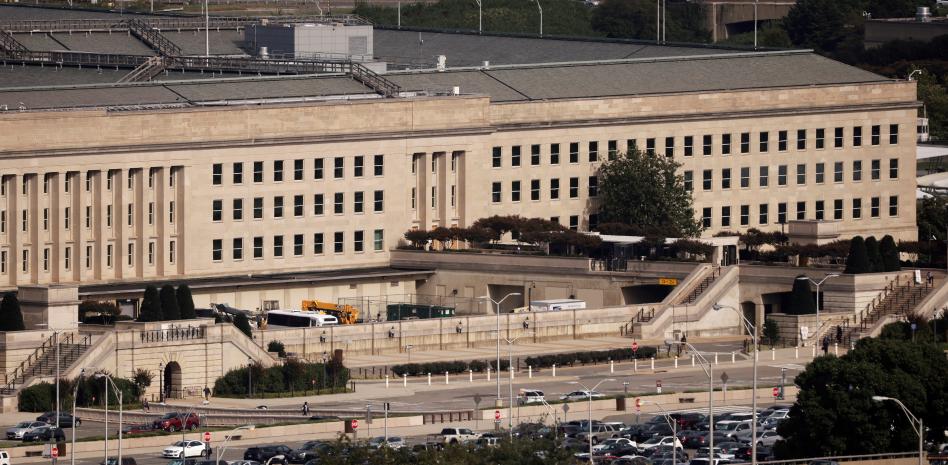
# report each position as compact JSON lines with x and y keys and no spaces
{"x":16,"y":346}
{"x":49,"y":307}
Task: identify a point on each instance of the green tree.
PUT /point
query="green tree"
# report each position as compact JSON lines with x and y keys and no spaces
{"x":644,"y":190}
{"x":11,"y":317}
{"x":150,"y":309}
{"x":278,"y":347}
{"x":858,"y":259}
{"x":890,"y":254}
{"x":771,"y":331}
{"x":169,"y":303}
{"x":932,"y":218}
{"x":822,"y":24}
{"x":801,"y":301}
{"x":835,"y":415}
{"x":185,"y":302}
{"x":875,"y":257}
{"x":241,"y":322}
{"x":142,"y":379}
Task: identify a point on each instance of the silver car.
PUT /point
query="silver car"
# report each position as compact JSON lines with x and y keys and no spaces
{"x":24,"y":427}
{"x":394,"y":442}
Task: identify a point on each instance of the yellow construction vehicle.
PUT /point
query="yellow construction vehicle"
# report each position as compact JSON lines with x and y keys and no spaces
{"x":346,"y":314}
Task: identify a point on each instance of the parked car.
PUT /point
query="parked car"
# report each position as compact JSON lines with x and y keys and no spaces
{"x":23,"y":427}
{"x":457,"y":436}
{"x":66,"y":420}
{"x":731,"y":428}
{"x":114,"y":461}
{"x":531,"y":396}
{"x":309,"y":451}
{"x":4,"y":457}
{"x":581,"y":395}
{"x":392,"y":442}
{"x":252,"y":462}
{"x":764,"y":437}
{"x":174,"y":421}
{"x":179,"y":461}
{"x":45,"y":433}
{"x":263,"y":454}
{"x":689,"y":420}
{"x":611,"y":442}
{"x":599,"y":432}
{"x":658,"y":441}
{"x":211,"y":462}
{"x":138,"y":429}
{"x":185,"y":449}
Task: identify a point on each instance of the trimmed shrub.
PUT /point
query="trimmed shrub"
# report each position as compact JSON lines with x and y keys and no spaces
{"x":292,"y":376}
{"x":11,"y":318}
{"x":151,"y":305}
{"x":169,"y":303}
{"x":278,"y":347}
{"x":185,"y":302}
{"x":857,"y":261}
{"x":801,"y":300}
{"x":875,"y":258}
{"x":37,"y":398}
{"x":890,"y":254}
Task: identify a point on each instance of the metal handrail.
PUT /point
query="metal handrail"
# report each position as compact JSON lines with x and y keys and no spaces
{"x":153,"y":38}
{"x":20,"y":371}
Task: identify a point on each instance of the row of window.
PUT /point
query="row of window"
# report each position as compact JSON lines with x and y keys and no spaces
{"x":278,"y":168}
{"x":278,"y":245}
{"x":728,"y":144}
{"x":67,"y":182}
{"x":496,"y":189}
{"x":67,"y":256}
{"x":783,"y":214}
{"x":278,"y":205}
{"x":819,"y":174}
{"x":67,"y":217}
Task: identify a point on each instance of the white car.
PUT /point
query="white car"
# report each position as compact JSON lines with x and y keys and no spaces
{"x":609,"y":442}
{"x":24,"y":427}
{"x":660,"y":441}
{"x":394,"y":442}
{"x":184,"y":449}
{"x":4,"y":457}
{"x":581,"y":395}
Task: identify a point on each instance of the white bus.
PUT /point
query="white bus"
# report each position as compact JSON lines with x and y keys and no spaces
{"x":557,"y":304}
{"x":299,"y":318}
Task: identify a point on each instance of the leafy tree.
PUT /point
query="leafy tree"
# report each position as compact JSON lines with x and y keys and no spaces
{"x":890,"y":254}
{"x":442,"y":235}
{"x":875,"y":257}
{"x":278,"y":347}
{"x":822,"y":24}
{"x":801,"y":300}
{"x":150,"y":309}
{"x":418,"y":238}
{"x":645,"y":190}
{"x":185,"y":302}
{"x":771,"y":331}
{"x":142,"y":379}
{"x":11,"y":317}
{"x":858,"y":259}
{"x":169,"y":303}
{"x":835,"y":415}
{"x":241,"y":322}
{"x":932,"y":219}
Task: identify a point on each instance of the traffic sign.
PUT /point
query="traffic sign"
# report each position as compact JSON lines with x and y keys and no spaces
{"x":354,"y":424}
{"x":565,"y":408}
{"x":207,"y":436}
{"x":497,"y":415}
{"x":776,"y":392}
{"x":54,"y":452}
{"x":635,"y":347}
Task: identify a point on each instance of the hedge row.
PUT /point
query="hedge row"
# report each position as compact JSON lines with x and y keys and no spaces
{"x":420,"y":369}
{"x":41,"y":397}
{"x":292,"y":376}
{"x":570,"y":359}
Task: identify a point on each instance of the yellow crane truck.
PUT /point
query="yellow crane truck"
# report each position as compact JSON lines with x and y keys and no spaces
{"x":346,"y":314}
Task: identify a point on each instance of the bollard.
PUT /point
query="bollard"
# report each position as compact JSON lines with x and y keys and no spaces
{"x":488,"y":373}
{"x":653,"y":363}
{"x":530,"y":371}
{"x":836,"y":349}
{"x":814,"y":350}
{"x":692,"y":359}
{"x":773,"y":353}
{"x":429,"y":379}
{"x":446,"y":378}
{"x":386,"y":381}
{"x":554,"y":370}
{"x":796,"y":352}
{"x":612,"y":367}
{"x":676,"y":362}
{"x":635,"y":364}
{"x":470,"y":376}
{"x":732,"y":357}
{"x":405,"y":380}
{"x":715,"y":358}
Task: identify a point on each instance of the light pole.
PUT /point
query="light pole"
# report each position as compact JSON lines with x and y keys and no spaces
{"x":589,"y":413}
{"x":161,"y":384}
{"x":108,"y":381}
{"x":673,"y":424}
{"x":921,"y":426}
{"x":541,"y":35}
{"x":510,"y":369}
{"x":75,"y":392}
{"x":250,"y":377}
{"x":753,"y":330}
{"x":755,"y":24}
{"x":497,"y":306}
{"x":480,"y":17}
{"x":710,"y":372}
{"x":818,"y":284}
{"x":223,"y":447}
{"x":207,"y":31}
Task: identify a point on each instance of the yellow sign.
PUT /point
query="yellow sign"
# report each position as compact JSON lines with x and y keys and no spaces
{"x":667,"y":282}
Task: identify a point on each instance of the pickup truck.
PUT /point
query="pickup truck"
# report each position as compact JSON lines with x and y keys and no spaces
{"x":457,"y":436}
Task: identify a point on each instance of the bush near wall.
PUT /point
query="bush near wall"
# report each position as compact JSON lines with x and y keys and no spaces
{"x":583,"y":358}
{"x":41,"y":397}
{"x":435,"y":368}
{"x":292,"y":376}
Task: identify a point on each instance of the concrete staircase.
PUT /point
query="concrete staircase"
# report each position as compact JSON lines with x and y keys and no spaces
{"x":694,"y":294}
{"x":897,"y":300}
{"x":42,"y":362}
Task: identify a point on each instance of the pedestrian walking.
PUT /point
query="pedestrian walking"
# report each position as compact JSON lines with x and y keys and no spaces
{"x":931,"y":278}
{"x":459,"y":329}
{"x":145,"y":405}
{"x":305,"y":409}
{"x":839,"y":334}
{"x":826,"y":345}
{"x":207,"y":393}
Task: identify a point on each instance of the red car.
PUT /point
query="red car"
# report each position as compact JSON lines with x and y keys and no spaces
{"x":174,"y":421}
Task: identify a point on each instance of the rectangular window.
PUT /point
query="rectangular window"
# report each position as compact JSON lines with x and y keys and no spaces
{"x":650,"y":146}
{"x":893,"y":134}
{"x":318,"y":243}
{"x":820,"y":138}
{"x":857,"y":136}
{"x":535,"y":154}
{"x":515,"y":155}
{"x":46,"y":259}
{"x":857,"y":209}
{"x":818,"y":207}
{"x":801,"y":210}
{"x":88,"y":183}
{"x":130,"y":180}
{"x":67,"y":182}
{"x":358,"y":238}
{"x":706,"y":142}
{"x":378,"y":240}
{"x":217,"y":250}
{"x":378,"y":201}
{"x":3,"y":262}
{"x":108,"y":181}
{"x":554,"y":154}
{"x":613,"y":149}
{"x":782,"y":141}
{"x":726,"y":178}
{"x":338,"y":167}
{"x":763,"y":214}
{"x":725,"y":144}
{"x":278,"y":246}
{"x":495,"y":192}
{"x":706,"y":217}
{"x":745,"y":177}
{"x":378,"y":165}
{"x":857,"y":170}
{"x":875,"y":171}
{"x":67,"y":217}
{"x":669,"y":146}
{"x":764,"y":142}
{"x":554,"y":188}
{"x":874,"y":204}
{"x":338,"y":242}
{"x":496,"y":157}
{"x":171,"y":251}
{"x":893,"y":168}
{"x":46,"y":219}
{"x":801,"y":139}
{"x":278,"y":206}
{"x":258,"y":247}
{"x":689,"y":146}
{"x":801,"y":174}
{"x":573,"y":188}
{"x":893,"y":205}
{"x":151,"y":254}
{"x":298,"y":206}
{"x":358,"y":166}
{"x":782,"y":175}
{"x":258,"y":171}
{"x":318,"y":204}
{"x":217,"y":174}
{"x":358,"y":201}
{"x":574,"y":222}
{"x":26,"y":260}
{"x":67,"y":257}
{"x":24,"y":223}
{"x":725,"y":217}
{"x":515,"y":191}
{"x":108,"y":255}
{"x":820,"y":173}
{"x":130,"y":214}
{"x":706,"y":180}
{"x":745,"y":215}
{"x":217,"y":208}
{"x":689,"y":180}
{"x":237,"y":248}
{"x":88,"y":217}
{"x":838,"y":209}
{"x":257,"y":208}
{"x":238,"y":209}
{"x":875,"y":135}
{"x":764,"y":177}
{"x":277,"y":170}
{"x":782,"y":213}
{"x":338,"y":200}
{"x":838,"y":171}
{"x":453,"y":195}
{"x":630,"y":146}
{"x":534,"y":189}
{"x":318,"y":168}
{"x":594,"y":151}
{"x":238,"y":175}
{"x":745,"y":142}
{"x":298,"y":245}
{"x":574,"y":152}
{"x":108,"y":216}
{"x":593,"y":186}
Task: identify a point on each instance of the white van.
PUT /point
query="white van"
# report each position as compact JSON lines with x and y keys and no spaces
{"x":4,"y":457}
{"x":531,"y":396}
{"x":557,"y":304}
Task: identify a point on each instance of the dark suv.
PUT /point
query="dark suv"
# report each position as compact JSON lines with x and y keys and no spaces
{"x":309,"y":451}
{"x":261,"y":454}
{"x":174,"y":421}
{"x":65,"y":420}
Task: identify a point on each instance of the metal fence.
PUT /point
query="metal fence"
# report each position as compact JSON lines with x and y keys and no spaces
{"x":375,"y":307}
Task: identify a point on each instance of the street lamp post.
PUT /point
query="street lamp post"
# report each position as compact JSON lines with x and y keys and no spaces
{"x":108,"y":381}
{"x":497,"y":306}
{"x":250,"y":377}
{"x":818,"y":284}
{"x":510,"y":369}
{"x":75,"y":392}
{"x":223,"y":447}
{"x":673,"y":424}
{"x":589,"y":414}
{"x":710,"y":372}
{"x":921,"y":426}
{"x":161,"y":384}
{"x":540,"y":8}
{"x":755,"y":24}
{"x":753,"y":330}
